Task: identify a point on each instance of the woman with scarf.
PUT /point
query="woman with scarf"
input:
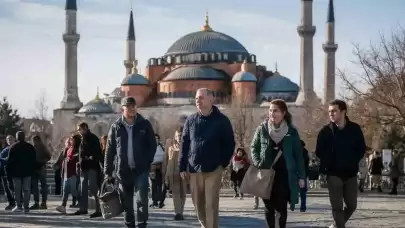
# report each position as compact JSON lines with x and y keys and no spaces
{"x":69,"y":158}
{"x":278,"y":135}
{"x":239,"y":165}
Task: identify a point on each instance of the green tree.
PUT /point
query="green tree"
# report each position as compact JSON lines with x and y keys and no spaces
{"x":10,"y":121}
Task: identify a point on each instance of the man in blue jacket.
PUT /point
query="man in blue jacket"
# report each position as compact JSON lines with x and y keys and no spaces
{"x":206,"y":149}
{"x":132,"y":141}
{"x":7,"y":182}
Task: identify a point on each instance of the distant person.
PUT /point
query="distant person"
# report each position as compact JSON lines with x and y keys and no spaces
{"x":304,"y":190}
{"x":20,"y":166}
{"x":340,"y":147}
{"x":376,"y":168}
{"x":132,"y":141}
{"x":156,"y":175}
{"x":39,"y":176}
{"x":6,"y":180}
{"x":207,"y":146}
{"x":363,"y":172}
{"x":396,"y":167}
{"x":177,"y":185}
{"x":239,"y":165}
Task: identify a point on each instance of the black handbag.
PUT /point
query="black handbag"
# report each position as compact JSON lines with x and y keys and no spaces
{"x":110,"y":201}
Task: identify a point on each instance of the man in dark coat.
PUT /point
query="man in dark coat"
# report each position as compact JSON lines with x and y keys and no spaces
{"x":132,"y":141}
{"x":20,"y":166}
{"x":89,"y":160}
{"x":7,"y":181}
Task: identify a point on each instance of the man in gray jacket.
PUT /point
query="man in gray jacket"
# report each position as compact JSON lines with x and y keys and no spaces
{"x":131,"y":139}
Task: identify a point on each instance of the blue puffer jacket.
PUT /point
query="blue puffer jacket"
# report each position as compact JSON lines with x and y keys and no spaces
{"x":3,"y":160}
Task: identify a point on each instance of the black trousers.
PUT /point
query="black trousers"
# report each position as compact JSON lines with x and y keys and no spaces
{"x":395,"y":181}
{"x":8,"y":187}
{"x":157,"y":186}
{"x":277,"y":205}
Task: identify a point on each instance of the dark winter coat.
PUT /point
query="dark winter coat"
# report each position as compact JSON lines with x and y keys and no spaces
{"x":376,"y":166}
{"x":207,"y":142}
{"x":21,"y":160}
{"x":340,"y":150}
{"x":144,"y":148}
{"x":90,"y":147}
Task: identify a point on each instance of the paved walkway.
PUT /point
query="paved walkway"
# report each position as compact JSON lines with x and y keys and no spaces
{"x":374,"y":211}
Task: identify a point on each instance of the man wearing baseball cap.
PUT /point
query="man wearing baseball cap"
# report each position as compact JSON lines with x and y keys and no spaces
{"x":132,"y":140}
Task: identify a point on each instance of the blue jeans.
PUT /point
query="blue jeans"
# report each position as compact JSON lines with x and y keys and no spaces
{"x":69,"y":187}
{"x":303,"y":196}
{"x":139,"y":183}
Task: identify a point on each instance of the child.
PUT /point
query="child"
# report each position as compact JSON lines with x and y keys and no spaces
{"x":239,"y":166}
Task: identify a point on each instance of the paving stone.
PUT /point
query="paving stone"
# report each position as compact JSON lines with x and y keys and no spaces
{"x":374,"y":210}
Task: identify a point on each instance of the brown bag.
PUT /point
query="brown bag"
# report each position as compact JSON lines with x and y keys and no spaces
{"x":259,"y":182}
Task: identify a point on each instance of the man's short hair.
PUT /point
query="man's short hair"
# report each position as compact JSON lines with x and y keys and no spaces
{"x":83,"y":125}
{"x":208,"y":91}
{"x":340,"y":103}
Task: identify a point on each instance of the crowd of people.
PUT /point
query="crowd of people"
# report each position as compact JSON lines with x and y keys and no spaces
{"x":131,"y":156}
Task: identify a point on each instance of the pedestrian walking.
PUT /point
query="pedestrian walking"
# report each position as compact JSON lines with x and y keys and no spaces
{"x":177,"y":185}
{"x":132,"y":141}
{"x":340,"y":147}
{"x":396,"y":167}
{"x":304,"y":190}
{"x":6,"y":180}
{"x":89,"y":167}
{"x":376,"y":168}
{"x":239,"y":165}
{"x":277,"y":145}
{"x":363,"y":172}
{"x":20,"y":166}
{"x":156,"y":175}
{"x":206,"y":149}
{"x":39,"y":176}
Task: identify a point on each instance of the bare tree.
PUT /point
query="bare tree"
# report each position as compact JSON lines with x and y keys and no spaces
{"x":241,"y":116}
{"x":380,"y":86}
{"x":41,"y":106}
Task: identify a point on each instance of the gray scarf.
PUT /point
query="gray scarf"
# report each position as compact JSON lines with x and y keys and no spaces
{"x":277,"y":133}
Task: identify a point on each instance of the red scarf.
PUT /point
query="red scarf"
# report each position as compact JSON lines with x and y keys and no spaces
{"x":242,"y":159}
{"x":70,"y":153}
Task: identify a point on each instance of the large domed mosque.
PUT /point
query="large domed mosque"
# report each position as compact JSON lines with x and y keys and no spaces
{"x":203,"y":58}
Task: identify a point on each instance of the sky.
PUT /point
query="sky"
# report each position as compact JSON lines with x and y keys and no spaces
{"x":32,"y":49}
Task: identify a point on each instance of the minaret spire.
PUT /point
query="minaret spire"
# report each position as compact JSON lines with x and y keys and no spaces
{"x":130,"y":44}
{"x":330,"y":48}
{"x":306,"y":31}
{"x":71,"y":38}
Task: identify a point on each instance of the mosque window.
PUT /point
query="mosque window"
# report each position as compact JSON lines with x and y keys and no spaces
{"x":240,"y":58}
{"x":213,"y":57}
{"x":253,"y":58}
{"x":204,"y":57}
{"x":178,"y":59}
{"x":198,"y":57}
{"x":219,"y":56}
{"x":159,"y":62}
{"x":169,"y":60}
{"x":225,"y":56}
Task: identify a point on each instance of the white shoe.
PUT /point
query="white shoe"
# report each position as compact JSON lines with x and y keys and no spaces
{"x":17,"y":209}
{"x":61,"y":209}
{"x":332,"y":226}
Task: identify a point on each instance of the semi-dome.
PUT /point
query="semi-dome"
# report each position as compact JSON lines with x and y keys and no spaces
{"x":244,"y":76}
{"x":195,"y":73}
{"x":278,"y":83}
{"x":135,"y":79}
{"x":96,"y":106}
{"x":117,"y":92}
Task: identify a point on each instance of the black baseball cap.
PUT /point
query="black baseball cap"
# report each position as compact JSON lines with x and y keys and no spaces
{"x":128,"y":101}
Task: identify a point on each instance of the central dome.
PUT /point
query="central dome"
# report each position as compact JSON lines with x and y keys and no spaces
{"x":206,"y":41}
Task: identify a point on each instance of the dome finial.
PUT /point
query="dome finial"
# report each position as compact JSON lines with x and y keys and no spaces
{"x":276,"y":68}
{"x":134,"y":67}
{"x":207,"y":26}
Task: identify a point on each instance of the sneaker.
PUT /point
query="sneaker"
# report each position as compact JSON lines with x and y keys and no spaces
{"x":96,"y":214}
{"x":332,"y":226}
{"x":241,"y":198}
{"x":161,"y":205}
{"x":61,"y":209}
{"x":9,"y":207}
{"x":236,"y":196}
{"x":142,"y":225}
{"x":35,"y":206}
{"x":154,"y":205}
{"x":17,"y":209}
{"x":303,"y":209}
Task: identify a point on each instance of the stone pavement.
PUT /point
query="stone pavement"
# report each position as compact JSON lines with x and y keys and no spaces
{"x":374,"y":210}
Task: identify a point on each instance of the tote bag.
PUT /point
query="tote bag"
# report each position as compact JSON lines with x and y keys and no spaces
{"x":259,"y":182}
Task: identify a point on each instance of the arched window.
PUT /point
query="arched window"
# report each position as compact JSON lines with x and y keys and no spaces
{"x":178,"y":59}
{"x":225,"y":56}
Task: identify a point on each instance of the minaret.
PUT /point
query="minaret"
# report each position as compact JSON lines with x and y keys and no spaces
{"x":130,"y":45}
{"x":330,"y":49}
{"x":71,"y":38}
{"x":306,"y":31}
